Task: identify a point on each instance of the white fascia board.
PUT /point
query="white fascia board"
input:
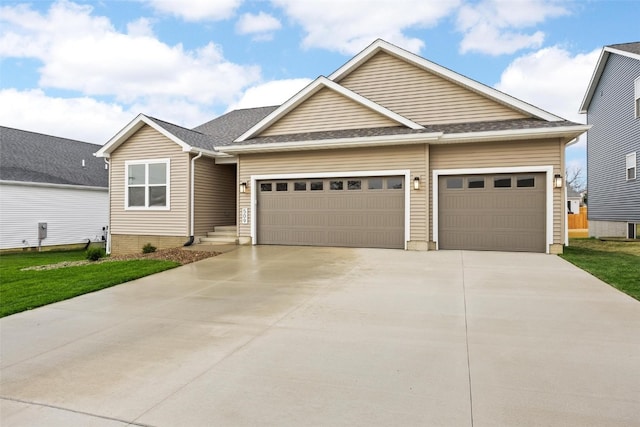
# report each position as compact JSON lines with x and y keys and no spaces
{"x":320,"y":83}
{"x":499,"y":135}
{"x":446,"y":73}
{"x":207,"y":153}
{"x":132,"y":128}
{"x":368,"y":141}
{"x":52,"y":185}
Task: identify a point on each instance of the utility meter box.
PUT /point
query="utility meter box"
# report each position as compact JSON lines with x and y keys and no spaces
{"x":42,"y":230}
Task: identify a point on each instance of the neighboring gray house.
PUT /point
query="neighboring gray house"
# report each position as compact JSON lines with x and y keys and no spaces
{"x":53,"y":181}
{"x":612,"y":105}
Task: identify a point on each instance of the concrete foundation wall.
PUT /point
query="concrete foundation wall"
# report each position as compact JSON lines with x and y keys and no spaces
{"x":607,"y":229}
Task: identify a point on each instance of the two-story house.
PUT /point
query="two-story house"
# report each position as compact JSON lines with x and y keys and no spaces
{"x":612,"y":105}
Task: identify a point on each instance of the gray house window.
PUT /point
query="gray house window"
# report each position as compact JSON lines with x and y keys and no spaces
{"x":147,"y":184}
{"x":631,"y":166}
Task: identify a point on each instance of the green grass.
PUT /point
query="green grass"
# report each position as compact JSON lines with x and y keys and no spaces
{"x":24,"y":290}
{"x":616,"y":263}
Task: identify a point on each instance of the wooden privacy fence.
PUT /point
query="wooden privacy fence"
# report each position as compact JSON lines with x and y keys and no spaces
{"x":578,"y":221}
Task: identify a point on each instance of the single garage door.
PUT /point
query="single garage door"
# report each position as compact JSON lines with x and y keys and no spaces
{"x":503,"y":212}
{"x":353,"y":212}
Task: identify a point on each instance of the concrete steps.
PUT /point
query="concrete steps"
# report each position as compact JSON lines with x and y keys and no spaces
{"x":222,"y":235}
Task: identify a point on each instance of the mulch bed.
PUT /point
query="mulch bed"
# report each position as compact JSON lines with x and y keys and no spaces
{"x":178,"y":255}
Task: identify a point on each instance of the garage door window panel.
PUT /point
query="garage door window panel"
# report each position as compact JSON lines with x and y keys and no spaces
{"x":394,"y":183}
{"x":526,"y":182}
{"x":300,"y":186}
{"x":265,"y":186}
{"x":317,"y":186}
{"x":354,"y":184}
{"x":475,"y":182}
{"x":374,"y":183}
{"x":454,"y":183}
{"x":502,"y":182}
{"x":336,"y":185}
{"x":282,"y":186}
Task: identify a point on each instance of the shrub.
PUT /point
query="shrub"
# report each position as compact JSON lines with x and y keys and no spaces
{"x":94,"y":254}
{"x":148,"y":248}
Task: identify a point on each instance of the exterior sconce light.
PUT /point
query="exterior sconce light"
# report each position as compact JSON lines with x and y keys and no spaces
{"x":557,"y":181}
{"x":416,"y":183}
{"x":243,"y":187}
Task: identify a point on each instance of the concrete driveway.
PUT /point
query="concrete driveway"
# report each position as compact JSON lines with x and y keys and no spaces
{"x":323,"y":336}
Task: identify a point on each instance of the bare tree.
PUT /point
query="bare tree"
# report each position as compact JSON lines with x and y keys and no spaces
{"x":574,"y":177}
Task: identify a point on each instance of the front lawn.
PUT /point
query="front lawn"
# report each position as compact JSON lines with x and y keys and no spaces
{"x":614,"y":262}
{"x":24,"y":290}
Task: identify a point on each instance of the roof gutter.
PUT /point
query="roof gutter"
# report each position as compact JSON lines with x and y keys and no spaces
{"x":320,"y":144}
{"x":570,"y":132}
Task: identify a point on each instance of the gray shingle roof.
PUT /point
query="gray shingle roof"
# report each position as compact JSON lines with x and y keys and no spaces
{"x":226,"y":128}
{"x":488,"y":126}
{"x":191,"y":137}
{"x":33,"y":157}
{"x":633,"y":47}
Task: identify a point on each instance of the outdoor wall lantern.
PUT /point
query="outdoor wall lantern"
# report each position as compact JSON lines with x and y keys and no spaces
{"x":416,"y":183}
{"x":557,"y":181}
{"x":243,"y":187}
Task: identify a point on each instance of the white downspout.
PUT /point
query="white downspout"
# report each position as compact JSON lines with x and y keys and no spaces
{"x":193,"y":199}
{"x":107,"y":246}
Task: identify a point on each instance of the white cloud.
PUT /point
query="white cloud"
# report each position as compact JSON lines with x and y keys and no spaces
{"x":84,"y":53}
{"x":491,"y":26}
{"x":261,"y":25}
{"x":140,"y":28}
{"x":349,"y":26}
{"x":274,"y":92}
{"x":551,"y":78}
{"x":554,"y":80}
{"x":197,"y":10}
{"x":82,"y":118}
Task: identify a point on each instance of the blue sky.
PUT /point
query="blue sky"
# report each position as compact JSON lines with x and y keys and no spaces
{"x":84,"y":69}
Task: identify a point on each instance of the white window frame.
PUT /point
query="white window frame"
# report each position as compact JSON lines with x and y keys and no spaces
{"x":631,"y":163}
{"x":146,"y":206}
{"x":636,"y":99}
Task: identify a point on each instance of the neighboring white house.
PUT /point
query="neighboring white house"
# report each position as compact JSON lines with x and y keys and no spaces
{"x":53,"y":191}
{"x":573,"y":201}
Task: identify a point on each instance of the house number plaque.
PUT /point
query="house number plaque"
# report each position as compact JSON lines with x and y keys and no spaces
{"x":244,"y":215}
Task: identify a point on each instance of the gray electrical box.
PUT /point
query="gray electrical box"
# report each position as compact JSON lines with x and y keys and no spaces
{"x":42,"y":230}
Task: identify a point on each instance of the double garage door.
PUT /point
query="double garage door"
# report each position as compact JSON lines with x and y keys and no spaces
{"x":503,"y":212}
{"x":350,"y":211}
{"x":499,"y":212}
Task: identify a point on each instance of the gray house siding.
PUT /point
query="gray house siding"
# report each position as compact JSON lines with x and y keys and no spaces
{"x":615,"y":133}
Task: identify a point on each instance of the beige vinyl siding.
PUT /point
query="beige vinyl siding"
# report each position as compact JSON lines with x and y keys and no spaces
{"x":147,"y":144}
{"x":215,"y":195}
{"x":341,"y":162}
{"x":421,"y":95}
{"x":328,"y":110}
{"x":504,"y":154}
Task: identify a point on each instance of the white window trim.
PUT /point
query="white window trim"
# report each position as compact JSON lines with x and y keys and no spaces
{"x":484,"y":171}
{"x":146,"y":162}
{"x":631,"y":162}
{"x":636,"y":98}
{"x":355,"y":174}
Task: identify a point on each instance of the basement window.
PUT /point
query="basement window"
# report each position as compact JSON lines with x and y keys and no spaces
{"x":147,"y":184}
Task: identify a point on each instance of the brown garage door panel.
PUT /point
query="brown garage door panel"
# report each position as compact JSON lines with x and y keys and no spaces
{"x":488,"y":218}
{"x":354,"y":218}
